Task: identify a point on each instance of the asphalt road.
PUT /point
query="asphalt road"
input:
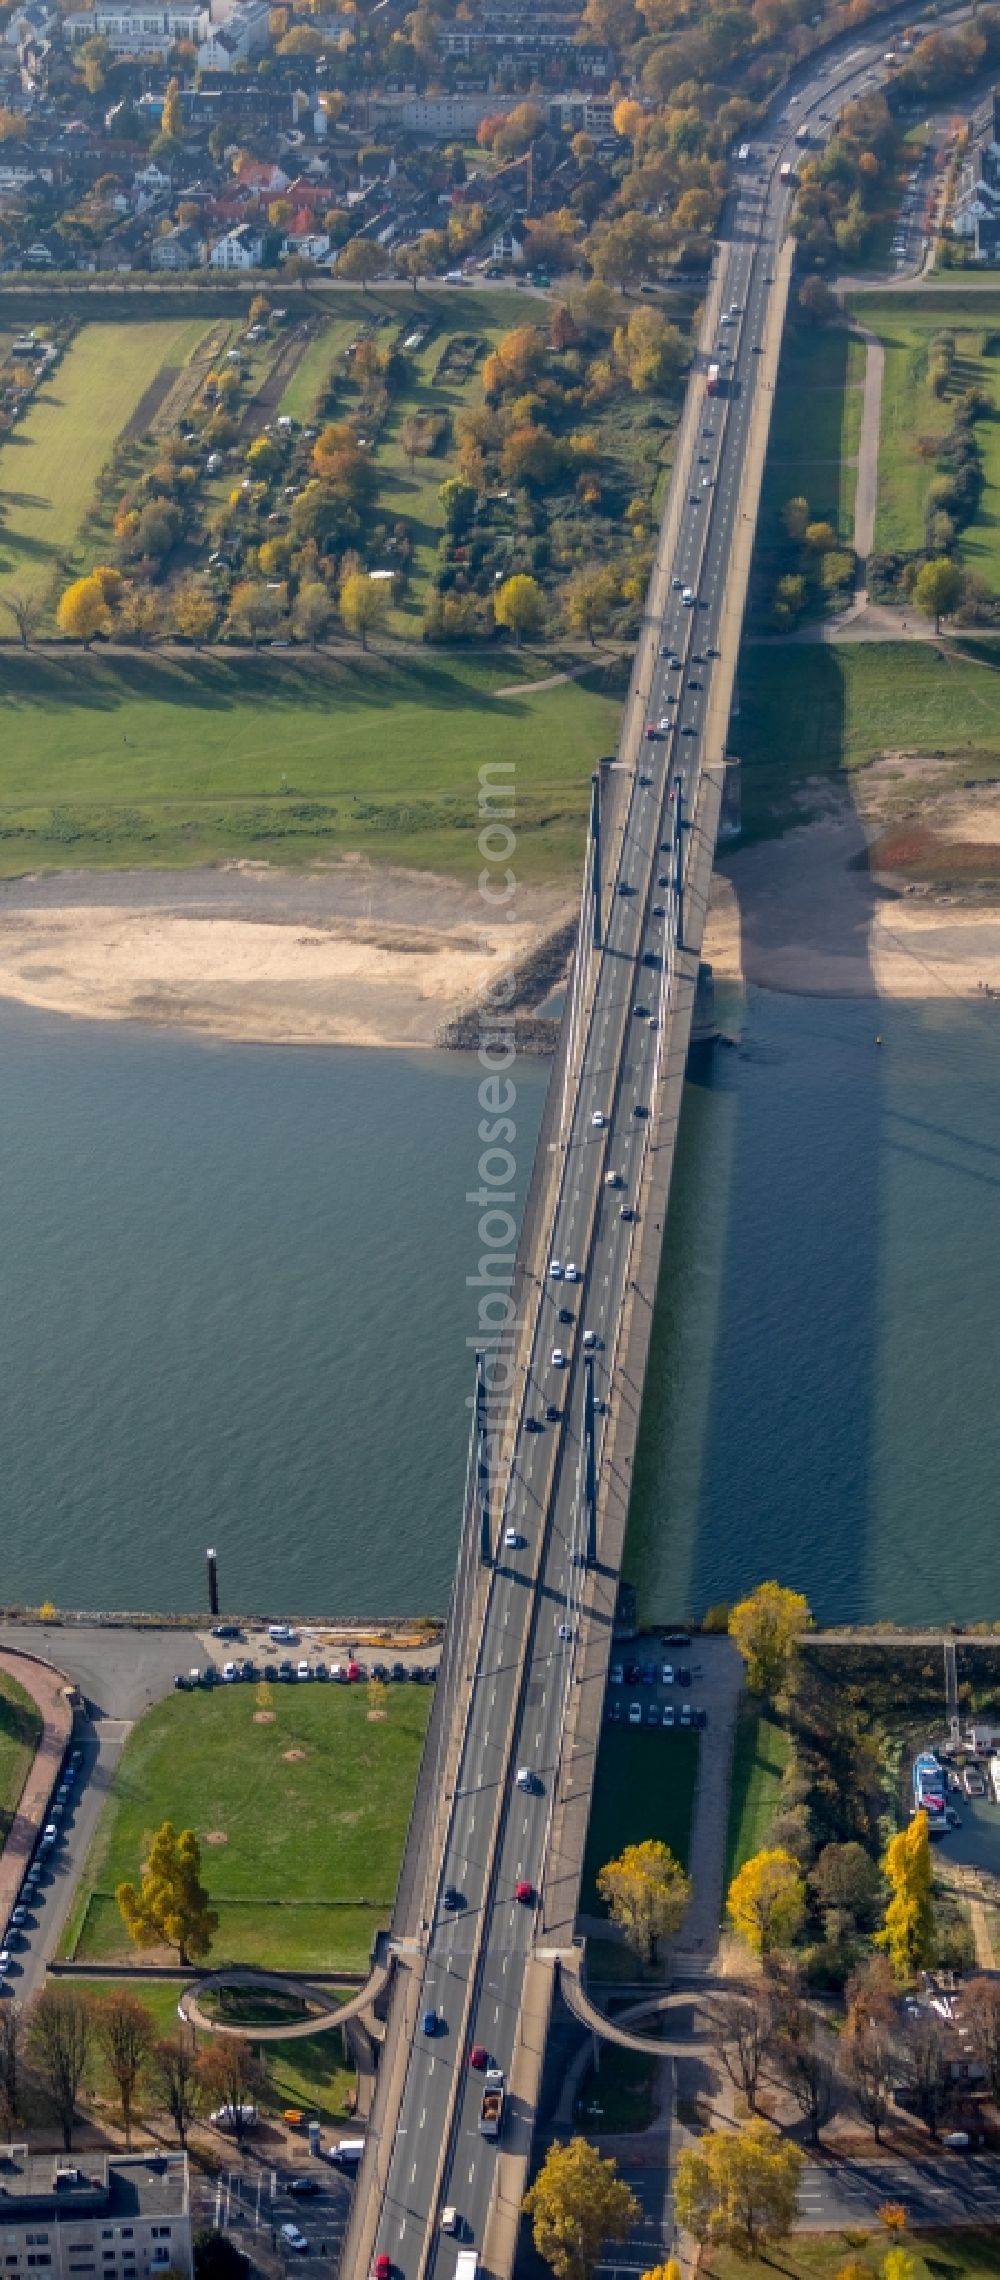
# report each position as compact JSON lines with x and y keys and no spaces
{"x":473,"y":1978}
{"x":946,"y":2189}
{"x":251,"y":2202}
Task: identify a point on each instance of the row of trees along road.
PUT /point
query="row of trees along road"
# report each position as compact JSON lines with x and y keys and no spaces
{"x":66,"y":2034}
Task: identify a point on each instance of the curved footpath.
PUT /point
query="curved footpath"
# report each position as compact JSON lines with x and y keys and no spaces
{"x":47,"y":1688}
{"x":275,"y":1982}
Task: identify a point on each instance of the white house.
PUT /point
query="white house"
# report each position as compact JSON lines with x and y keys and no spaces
{"x":241,"y":248}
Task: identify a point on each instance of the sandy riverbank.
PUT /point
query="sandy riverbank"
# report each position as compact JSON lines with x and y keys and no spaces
{"x":804,"y":915}
{"x":353,"y":955}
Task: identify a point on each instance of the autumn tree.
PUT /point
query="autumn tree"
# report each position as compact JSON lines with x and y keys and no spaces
{"x":738,"y":2189}
{"x":938,"y":588}
{"x":646,"y":1894}
{"x":766,"y":1901}
{"x":820,"y":537}
{"x":126,"y":2032}
{"x":412,"y":436}
{"x":650,"y":351}
{"x":621,"y":251}
{"x":869,"y":2064}
{"x":360,"y":260}
{"x":171,"y":123}
{"x":232,"y":2074}
{"x":363,"y":604}
{"x":83,"y":611}
{"x":11,"y":2045}
{"x":908,"y":1932}
{"x":60,"y":2034}
{"x":845,"y":1878}
{"x":795,"y":516}
{"x":25,"y":611}
{"x":744,"y":2023}
{"x":588,"y":600}
{"x":518,"y":606}
{"x":765,"y":1627}
{"x":170,"y":1905}
{"x":312,"y":611}
{"x":254,"y":608}
{"x":138,"y":614}
{"x":576,"y":2204}
{"x":174,"y":2069}
{"x":926,"y":2053}
{"x":193,"y":611}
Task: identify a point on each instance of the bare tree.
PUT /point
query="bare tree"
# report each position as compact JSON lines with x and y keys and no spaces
{"x":60,"y":2032}
{"x":25,"y":611}
{"x":926,"y":2051}
{"x":980,"y":2013}
{"x":175,"y":2071}
{"x":231,"y":2071}
{"x":745,"y":2023}
{"x":126,"y":2032}
{"x":869,"y":2063}
{"x":11,"y":2039}
{"x":805,"y":2067}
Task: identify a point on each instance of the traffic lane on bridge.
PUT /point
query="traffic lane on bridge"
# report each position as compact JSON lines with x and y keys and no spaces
{"x":943,"y":2190}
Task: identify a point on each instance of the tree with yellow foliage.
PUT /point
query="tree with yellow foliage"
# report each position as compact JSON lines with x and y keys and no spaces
{"x":193,"y":611}
{"x":171,"y":123}
{"x":908,"y":1932}
{"x":363,"y":604}
{"x":83,"y":611}
{"x":738,"y":2189}
{"x":170,"y":1903}
{"x":518,"y":606}
{"x":646,"y":1893}
{"x":766,"y":1901}
{"x":627,"y":118}
{"x":576,"y":2204}
{"x":765,"y":1626}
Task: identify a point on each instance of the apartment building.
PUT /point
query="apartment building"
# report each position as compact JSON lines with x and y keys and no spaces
{"x":117,"y":2216}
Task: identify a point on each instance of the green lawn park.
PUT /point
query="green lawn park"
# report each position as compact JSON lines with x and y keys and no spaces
{"x":50,"y":462}
{"x":20,"y":1734}
{"x":760,"y":1754}
{"x":313,"y":2072}
{"x":906,"y":324}
{"x":815,"y":429}
{"x":112,"y":760}
{"x":810,"y":712}
{"x":301,"y":1811}
{"x":966,"y":2254}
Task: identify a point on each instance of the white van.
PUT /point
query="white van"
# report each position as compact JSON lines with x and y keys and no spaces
{"x":347,"y":2154}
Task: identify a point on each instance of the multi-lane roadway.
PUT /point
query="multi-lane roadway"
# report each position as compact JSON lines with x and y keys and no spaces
{"x":481,"y":1934}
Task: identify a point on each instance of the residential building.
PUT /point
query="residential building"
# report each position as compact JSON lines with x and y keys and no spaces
{"x":239,"y":29}
{"x":241,"y":248}
{"x":178,"y":249}
{"x":976,"y":212}
{"x":115,"y":2216}
{"x":137,"y":30}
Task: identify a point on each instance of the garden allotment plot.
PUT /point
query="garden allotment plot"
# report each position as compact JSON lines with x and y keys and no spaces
{"x":50,"y":463}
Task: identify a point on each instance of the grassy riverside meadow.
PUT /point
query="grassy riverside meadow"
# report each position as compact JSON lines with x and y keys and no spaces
{"x":912,"y":414}
{"x":966,"y":2254}
{"x":760,"y":1754}
{"x":20,"y":1734}
{"x":301,"y":1817}
{"x":114,"y":760}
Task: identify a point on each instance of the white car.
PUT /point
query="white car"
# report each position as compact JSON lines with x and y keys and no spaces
{"x":229,"y":1672}
{"x":512,"y":1540}
{"x":572,"y":1271}
{"x":589,"y":1340}
{"x":635,"y":1713}
{"x":613,"y":1180}
{"x":598,"y":1119}
{"x":665,"y":724}
{"x":668,"y":1714}
{"x":565,"y":1630}
{"x":304,"y":1670}
{"x":294,"y":2239}
{"x":555,"y":1270}
{"x":667,"y":1674}
{"x":558,"y":1358}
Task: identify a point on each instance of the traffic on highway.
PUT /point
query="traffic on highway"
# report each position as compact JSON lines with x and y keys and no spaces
{"x":461,"y":2091}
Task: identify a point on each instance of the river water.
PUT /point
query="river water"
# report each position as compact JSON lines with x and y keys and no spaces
{"x":233,"y":1311}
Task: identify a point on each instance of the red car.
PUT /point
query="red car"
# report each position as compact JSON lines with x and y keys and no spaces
{"x":524,"y":1892}
{"x":479,"y":2057}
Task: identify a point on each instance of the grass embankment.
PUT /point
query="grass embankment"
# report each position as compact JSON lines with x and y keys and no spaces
{"x":913,"y":417}
{"x":968,"y":2254}
{"x":301,"y":1817}
{"x":50,"y":463}
{"x":120,"y":761}
{"x":810,"y":713}
{"x":313,"y":2072}
{"x":760,"y":1755}
{"x":812,"y":452}
{"x":20,"y":1734}
{"x":644,"y":1788}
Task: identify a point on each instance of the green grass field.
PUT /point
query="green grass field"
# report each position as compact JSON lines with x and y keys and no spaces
{"x":313,"y":2072}
{"x":644,"y":1788}
{"x":49,"y":465}
{"x":112,"y":760}
{"x":760,"y":1755}
{"x":911,"y":413}
{"x":815,"y":428}
{"x":20,"y":1734}
{"x":966,"y":2254}
{"x":301,"y":1821}
{"x":812,"y":712}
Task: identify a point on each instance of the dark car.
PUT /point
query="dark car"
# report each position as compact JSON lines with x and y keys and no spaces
{"x":249,"y":1669}
{"x":398,"y":1670}
{"x":640,"y":1109}
{"x":430,"y":2023}
{"x":320,"y":1670}
{"x":452,"y":1898}
{"x":552,"y":1414}
{"x":566,"y":1314}
{"x":632,"y":1674}
{"x":225,"y":1631}
{"x":270,"y":1672}
{"x":533,"y":1425}
{"x":615,"y":1709}
{"x":303,"y":2185}
{"x":676,"y":1638}
{"x":183,"y":1682}
{"x":286,"y":1670}
{"x":683,"y":1676}
{"x":649,"y":1674}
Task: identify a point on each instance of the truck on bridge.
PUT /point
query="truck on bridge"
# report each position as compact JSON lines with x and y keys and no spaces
{"x":491,"y":2114}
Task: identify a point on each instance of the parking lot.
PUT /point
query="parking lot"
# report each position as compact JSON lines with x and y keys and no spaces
{"x":657,"y":1684}
{"x":251,"y":2201}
